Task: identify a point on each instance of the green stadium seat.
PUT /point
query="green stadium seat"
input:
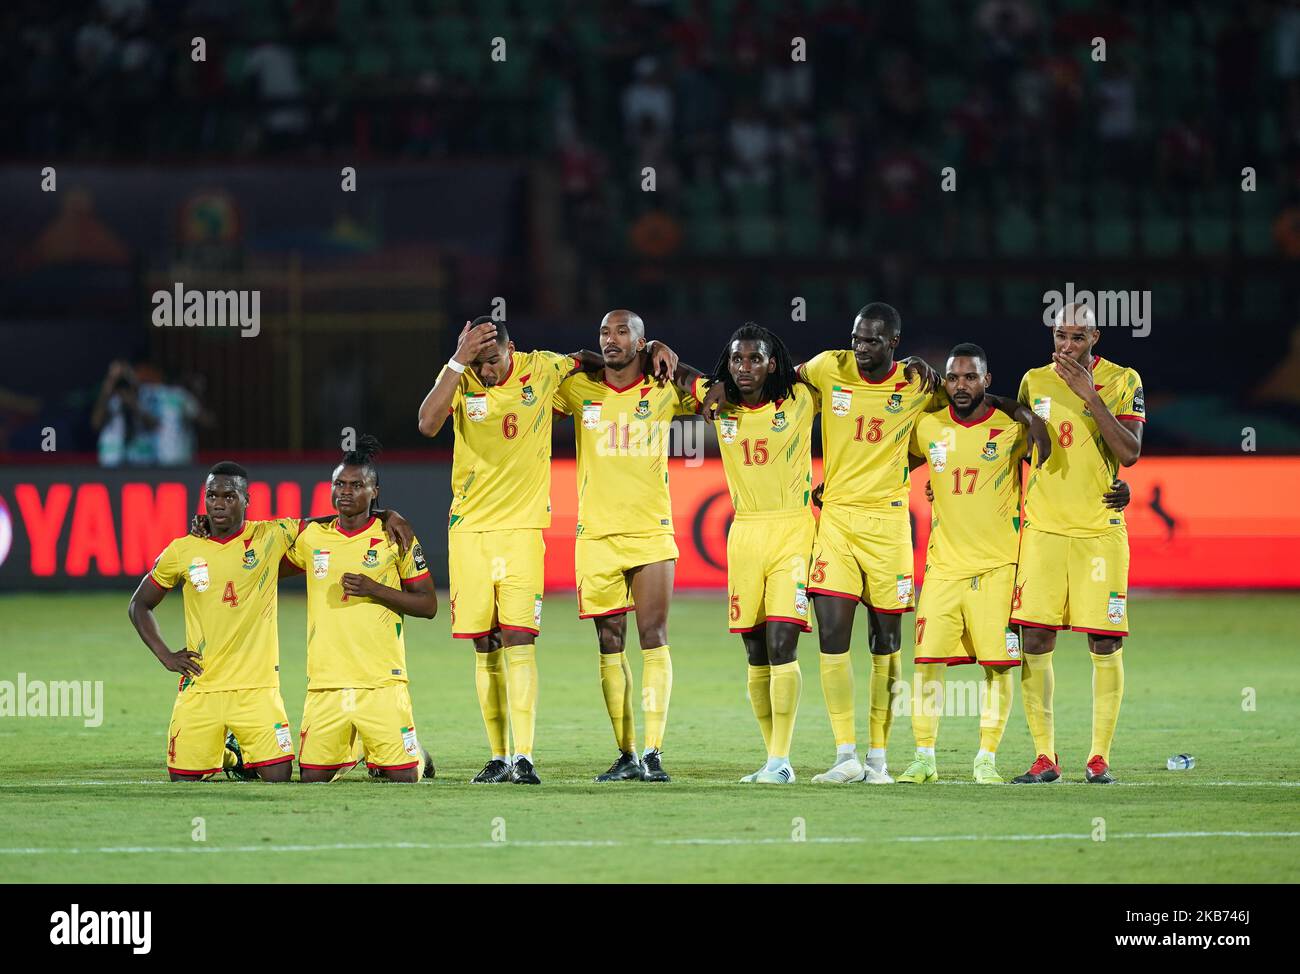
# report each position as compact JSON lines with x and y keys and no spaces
{"x":1211,"y":235}
{"x":702,"y":198}
{"x":1261,"y":298}
{"x":751,"y":199}
{"x":1021,"y":300}
{"x":973,"y":297}
{"x":928,"y":295}
{"x":716,"y":298}
{"x":1064,"y":232}
{"x":707,"y":235}
{"x":799,"y":198}
{"x":373,"y":61}
{"x":756,"y":236}
{"x":323,"y":67}
{"x":1256,"y":237}
{"x":1113,"y":236}
{"x":802,"y":234}
{"x":1016,"y":232}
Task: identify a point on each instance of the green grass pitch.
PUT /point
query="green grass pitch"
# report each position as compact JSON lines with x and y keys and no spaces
{"x":81,"y":804}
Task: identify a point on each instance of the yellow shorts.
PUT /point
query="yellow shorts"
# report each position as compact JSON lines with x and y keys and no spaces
{"x":496,"y":581}
{"x":860,"y":556}
{"x":601,"y":566}
{"x":767,"y":569}
{"x":381,"y":719}
{"x":964,"y":620}
{"x":1073,"y":583}
{"x":196,"y":739}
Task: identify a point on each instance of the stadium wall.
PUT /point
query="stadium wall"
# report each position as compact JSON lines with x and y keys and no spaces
{"x":1195,"y":523}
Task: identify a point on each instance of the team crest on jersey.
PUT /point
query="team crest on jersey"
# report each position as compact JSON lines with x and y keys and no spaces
{"x":990,"y":451}
{"x":590,"y":414}
{"x":476,"y":407}
{"x":841,"y":400}
{"x":1013,"y":643}
{"x":1115,"y":608}
{"x":250,"y":556}
{"x":643,"y":409}
{"x":939,"y":456}
{"x":320,"y":563}
{"x":527,"y":396}
{"x":895,"y":404}
{"x":779,"y":422}
{"x":371,"y":560}
{"x":1043,"y":408}
{"x":728,"y":427}
{"x":198,"y":571}
{"x":904,"y":589}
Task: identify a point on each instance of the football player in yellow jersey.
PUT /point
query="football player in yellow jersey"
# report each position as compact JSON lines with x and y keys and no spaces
{"x":229,"y":669}
{"x":765,"y":437}
{"x":863,"y":549}
{"x":970,"y":571}
{"x":500,"y":402}
{"x":1074,"y":553}
{"x":625,"y":553}
{"x":360,"y":586}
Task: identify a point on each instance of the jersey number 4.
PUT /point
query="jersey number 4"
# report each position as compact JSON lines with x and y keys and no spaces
{"x":229,"y":596}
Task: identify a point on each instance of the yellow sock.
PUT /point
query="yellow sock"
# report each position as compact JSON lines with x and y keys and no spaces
{"x":521,"y":678}
{"x":760,"y":698}
{"x":996,"y":708}
{"x":656,"y":688}
{"x":886,"y":671}
{"x":927,"y":704}
{"x":490,"y":679}
{"x":1036,"y":684}
{"x":1107,"y":692}
{"x":615,"y":682}
{"x":837,"y":688}
{"x":787,"y":683}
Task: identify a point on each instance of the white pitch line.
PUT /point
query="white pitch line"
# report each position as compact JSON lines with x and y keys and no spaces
{"x":618,"y":843}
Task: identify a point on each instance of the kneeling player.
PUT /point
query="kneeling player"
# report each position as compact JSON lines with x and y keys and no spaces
{"x":765,"y":436}
{"x":359,"y":588}
{"x":230,"y":667}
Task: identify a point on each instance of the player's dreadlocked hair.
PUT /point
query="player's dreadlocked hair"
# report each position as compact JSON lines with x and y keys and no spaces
{"x":368,"y":447}
{"x":779,"y":384}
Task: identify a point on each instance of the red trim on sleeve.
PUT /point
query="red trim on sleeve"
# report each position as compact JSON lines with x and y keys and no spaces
{"x":1100,"y":632}
{"x":611,"y":612}
{"x":324,"y":767}
{"x":160,"y":585}
{"x":1036,"y":625}
{"x":1137,"y":419}
{"x":261,"y":764}
{"x":416,"y":578}
{"x":394,"y":767}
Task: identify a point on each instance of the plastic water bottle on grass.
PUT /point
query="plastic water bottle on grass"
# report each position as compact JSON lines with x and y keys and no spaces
{"x":1181,"y":762}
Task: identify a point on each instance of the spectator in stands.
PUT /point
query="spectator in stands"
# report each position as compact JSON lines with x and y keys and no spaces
{"x":273,"y":72}
{"x":648,"y":96}
{"x":178,"y":409}
{"x":749,"y":139}
{"x":124,"y":426}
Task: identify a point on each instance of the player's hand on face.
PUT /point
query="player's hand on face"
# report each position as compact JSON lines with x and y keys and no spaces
{"x":186,"y":662}
{"x":663,"y":361}
{"x":1077,"y":378}
{"x":474,"y":341}
{"x":1119,"y":496}
{"x":914,"y":367}
{"x":399,"y":531}
{"x":358,"y":585}
{"x":713,"y":401}
{"x":200,"y":526}
{"x":929,"y":494}
{"x":817,"y":494}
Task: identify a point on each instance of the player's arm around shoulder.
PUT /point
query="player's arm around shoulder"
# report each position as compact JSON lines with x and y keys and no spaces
{"x":1039,"y":436}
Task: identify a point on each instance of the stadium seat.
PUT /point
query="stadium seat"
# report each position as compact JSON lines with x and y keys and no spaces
{"x":1113,"y":236}
{"x":1211,"y":235}
{"x":972,"y":297}
{"x":323,"y":67}
{"x":928,"y":295}
{"x":707,"y":235}
{"x":1016,"y":232}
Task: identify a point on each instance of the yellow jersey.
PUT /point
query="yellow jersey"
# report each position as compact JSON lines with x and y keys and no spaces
{"x":1064,"y":495}
{"x":501,"y":463}
{"x":975,"y":478}
{"x":767,"y":453}
{"x":353,"y":641}
{"x":866,"y":428}
{"x":230,"y":602}
{"x":622,"y":437}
